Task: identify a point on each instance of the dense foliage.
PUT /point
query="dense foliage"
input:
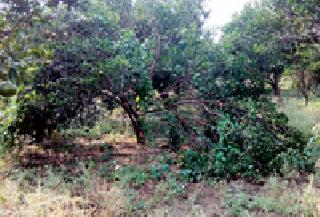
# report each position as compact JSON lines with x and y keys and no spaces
{"x":212,"y":95}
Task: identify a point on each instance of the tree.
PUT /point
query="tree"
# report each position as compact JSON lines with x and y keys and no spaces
{"x":211,"y":94}
{"x":119,"y":65}
{"x":21,"y":55}
{"x":302,"y":31}
{"x":256,"y":34}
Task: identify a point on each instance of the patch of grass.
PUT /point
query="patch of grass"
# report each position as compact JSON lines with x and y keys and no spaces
{"x":81,"y":192}
{"x":61,"y":192}
{"x":101,"y":127}
{"x":277,"y":197}
{"x":131,"y":176}
{"x":300,"y":116}
{"x":113,"y":123}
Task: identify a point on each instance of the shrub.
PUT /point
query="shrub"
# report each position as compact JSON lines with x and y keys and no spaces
{"x":253,"y":139}
{"x":131,"y":175}
{"x":7,"y":116}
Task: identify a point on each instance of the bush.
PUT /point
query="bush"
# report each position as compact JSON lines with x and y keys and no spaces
{"x":131,"y":175}
{"x":7,"y":116}
{"x":253,"y":139}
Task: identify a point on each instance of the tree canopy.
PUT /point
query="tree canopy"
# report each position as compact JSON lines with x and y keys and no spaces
{"x":153,"y":56}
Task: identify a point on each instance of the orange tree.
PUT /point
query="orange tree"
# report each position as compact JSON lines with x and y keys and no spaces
{"x":210,"y":93}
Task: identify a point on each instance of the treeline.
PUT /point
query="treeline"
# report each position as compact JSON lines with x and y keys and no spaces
{"x":277,"y":36}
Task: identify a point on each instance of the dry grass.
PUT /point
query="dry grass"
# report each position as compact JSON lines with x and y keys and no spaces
{"x":278,"y":197}
{"x":53,"y":196}
{"x":41,"y":202}
{"x":98,"y":199}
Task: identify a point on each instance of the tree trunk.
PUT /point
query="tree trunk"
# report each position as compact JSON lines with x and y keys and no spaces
{"x":276,"y":85}
{"x":136,"y":124}
{"x":304,"y":86}
{"x":140,"y":135}
{"x":306,"y":99}
{"x":276,"y":90}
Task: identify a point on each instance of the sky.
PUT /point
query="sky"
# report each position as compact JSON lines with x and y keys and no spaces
{"x":222,"y":11}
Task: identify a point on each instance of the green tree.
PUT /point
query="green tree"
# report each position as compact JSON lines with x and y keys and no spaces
{"x":302,"y":32}
{"x":126,"y":54}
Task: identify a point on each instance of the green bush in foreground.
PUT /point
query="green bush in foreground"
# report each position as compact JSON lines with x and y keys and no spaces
{"x":253,"y":140}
